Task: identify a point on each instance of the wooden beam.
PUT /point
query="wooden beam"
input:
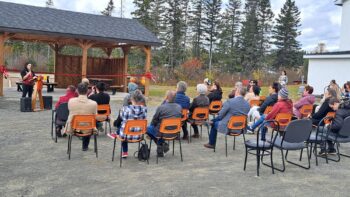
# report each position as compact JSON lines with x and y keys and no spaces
{"x":126,"y":51}
{"x":3,"y":38}
{"x":85,"y":45}
{"x":147,"y":51}
{"x":108,"y":51}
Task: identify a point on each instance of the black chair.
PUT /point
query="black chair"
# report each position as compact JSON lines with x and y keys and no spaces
{"x":295,"y":137}
{"x":258,"y":147}
{"x":59,"y":118}
{"x":343,"y":136}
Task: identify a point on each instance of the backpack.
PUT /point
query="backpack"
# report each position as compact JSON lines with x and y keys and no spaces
{"x":143,"y":153}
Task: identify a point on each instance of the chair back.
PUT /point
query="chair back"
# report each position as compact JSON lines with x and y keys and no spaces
{"x":237,"y":122}
{"x":268,"y":110}
{"x":283,"y":119}
{"x":298,"y":131}
{"x":254,"y":103}
{"x":184,"y":115}
{"x":306,"y":110}
{"x":135,"y":127}
{"x":62,"y":112}
{"x":170,"y":126}
{"x":104,"y":110}
{"x":200,"y":113}
{"x":84,"y":122}
{"x":345,"y":129}
{"x":262,"y":99}
{"x":329,"y":116}
{"x":215,"y":106}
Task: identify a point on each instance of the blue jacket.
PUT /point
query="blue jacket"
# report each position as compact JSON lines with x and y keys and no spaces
{"x":182,"y":100}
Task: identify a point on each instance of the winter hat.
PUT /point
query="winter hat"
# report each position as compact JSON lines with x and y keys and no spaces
{"x":283,"y":93}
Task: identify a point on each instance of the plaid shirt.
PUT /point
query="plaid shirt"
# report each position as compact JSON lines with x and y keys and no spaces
{"x":131,"y":112}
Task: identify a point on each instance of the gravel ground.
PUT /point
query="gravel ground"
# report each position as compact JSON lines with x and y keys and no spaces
{"x":31,"y":164}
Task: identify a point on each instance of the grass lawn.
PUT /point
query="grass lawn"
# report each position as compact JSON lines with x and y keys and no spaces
{"x":157,"y":93}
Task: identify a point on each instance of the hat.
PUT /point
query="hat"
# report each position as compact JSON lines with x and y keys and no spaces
{"x":283,"y":93}
{"x":202,"y":89}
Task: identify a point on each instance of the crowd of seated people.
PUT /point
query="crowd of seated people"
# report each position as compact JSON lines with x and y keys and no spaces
{"x":278,"y":98}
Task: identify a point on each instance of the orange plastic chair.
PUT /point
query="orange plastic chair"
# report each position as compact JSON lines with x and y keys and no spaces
{"x":103,"y":115}
{"x":200,"y":116}
{"x":82,"y":123}
{"x":306,"y":110}
{"x":330,"y":115}
{"x":169,"y":130}
{"x":254,"y":103}
{"x":262,"y":99}
{"x":215,"y":107}
{"x":184,"y":115}
{"x":129,"y":131}
{"x":236,"y":123}
{"x":268,"y":110}
{"x":283,"y":120}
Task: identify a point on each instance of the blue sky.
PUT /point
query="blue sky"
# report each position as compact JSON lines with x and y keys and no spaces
{"x":320,"y":19}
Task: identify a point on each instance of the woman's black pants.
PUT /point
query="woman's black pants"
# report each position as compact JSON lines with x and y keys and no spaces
{"x":27,"y":89}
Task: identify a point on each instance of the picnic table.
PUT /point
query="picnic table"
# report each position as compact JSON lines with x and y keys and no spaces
{"x":96,"y":80}
{"x":50,"y":86}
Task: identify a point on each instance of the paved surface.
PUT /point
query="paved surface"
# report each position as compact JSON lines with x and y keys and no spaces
{"x":31,"y":164}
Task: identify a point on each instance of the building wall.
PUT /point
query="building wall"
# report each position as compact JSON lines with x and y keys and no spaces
{"x":322,"y":71}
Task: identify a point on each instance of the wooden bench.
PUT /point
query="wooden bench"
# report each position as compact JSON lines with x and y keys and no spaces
{"x":50,"y":86}
{"x":114,"y":88}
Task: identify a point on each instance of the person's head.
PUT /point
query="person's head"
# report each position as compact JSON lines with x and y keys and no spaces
{"x":217,"y":85}
{"x":330,"y":92}
{"x":132,"y":88}
{"x":274,"y":88}
{"x":334,"y":103}
{"x":332,"y":82}
{"x":82,"y":88}
{"x":137,"y":98}
{"x":207,"y":82}
{"x":181,"y":86}
{"x":101,"y":87}
{"x":71,"y":89}
{"x":28,"y":66}
{"x":284,"y":72}
{"x":170,"y":96}
{"x":251,"y":82}
{"x":240,"y":92}
{"x":202,"y":89}
{"x":133,"y":80}
{"x":283,"y":94}
{"x":347,"y":86}
{"x":85,"y":80}
{"x":238,"y":84}
{"x":308,"y":90}
{"x":256,"y":90}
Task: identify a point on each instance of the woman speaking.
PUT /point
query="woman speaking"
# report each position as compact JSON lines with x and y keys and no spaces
{"x":28,"y":80}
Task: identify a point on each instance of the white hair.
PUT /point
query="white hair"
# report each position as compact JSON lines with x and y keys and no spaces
{"x":202,"y":89}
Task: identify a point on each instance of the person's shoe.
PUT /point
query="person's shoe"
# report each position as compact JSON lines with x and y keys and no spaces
{"x":100,"y":129}
{"x":165,"y":147}
{"x":64,"y":135}
{"x":58,"y":132}
{"x":85,"y":149}
{"x":250,"y":130}
{"x":322,"y":152}
{"x":125,"y":154}
{"x":209,"y":146}
{"x":332,"y":151}
{"x":185,"y":138}
{"x":195,"y":136}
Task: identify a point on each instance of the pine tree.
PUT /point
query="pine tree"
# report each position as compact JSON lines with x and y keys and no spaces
{"x":143,"y":13}
{"x":285,"y":34}
{"x":157,"y":17}
{"x":196,"y":26}
{"x":109,"y":9}
{"x":212,"y":19}
{"x":49,"y":4}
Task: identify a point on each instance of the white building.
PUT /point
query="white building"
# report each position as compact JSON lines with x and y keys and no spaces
{"x":324,"y":67}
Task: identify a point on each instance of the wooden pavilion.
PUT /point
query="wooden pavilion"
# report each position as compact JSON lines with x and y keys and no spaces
{"x":59,"y":28}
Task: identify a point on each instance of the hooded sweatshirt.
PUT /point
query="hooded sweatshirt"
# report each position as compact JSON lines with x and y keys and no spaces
{"x":282,"y":106}
{"x":64,"y":99}
{"x":306,"y":100}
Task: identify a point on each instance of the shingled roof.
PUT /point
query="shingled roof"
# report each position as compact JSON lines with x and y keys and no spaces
{"x":18,"y":18}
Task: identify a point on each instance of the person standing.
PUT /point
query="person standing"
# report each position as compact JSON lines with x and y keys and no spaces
{"x":283,"y":79}
{"x":28,"y":80}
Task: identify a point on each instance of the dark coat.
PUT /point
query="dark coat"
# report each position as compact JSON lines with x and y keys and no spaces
{"x":215,"y":95}
{"x":100,"y":98}
{"x":166,"y":110}
{"x":270,"y":101}
{"x":321,"y":113}
{"x":342,"y":113}
{"x":199,"y":101}
{"x":182,"y":100}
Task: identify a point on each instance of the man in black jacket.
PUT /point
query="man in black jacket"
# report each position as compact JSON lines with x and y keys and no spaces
{"x":101,"y":98}
{"x":342,"y":112}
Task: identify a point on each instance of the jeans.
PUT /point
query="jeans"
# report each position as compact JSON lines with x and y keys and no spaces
{"x":184,"y":129}
{"x":27,"y":89}
{"x":259,"y":121}
{"x":195,"y":129}
{"x":213,"y":132}
{"x":124,"y":144}
{"x":152,"y":133}
{"x":86,"y":141}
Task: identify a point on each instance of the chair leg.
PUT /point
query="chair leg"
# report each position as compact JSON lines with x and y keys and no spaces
{"x":225,"y":144}
{"x":201,"y":131}
{"x":234,"y":143}
{"x":105,"y":127}
{"x":308,"y":158}
{"x":245,"y":159}
{"x":96,"y":149}
{"x":272,"y":165}
{"x":258,"y":161}
{"x":180,"y":148}
{"x":301,"y":154}
{"x":70,"y":146}
{"x":121,"y":158}
{"x":55,"y":136}
{"x":190,"y":135}
{"x":110,"y":128}
{"x":174,"y":146}
{"x":157,"y":150}
{"x":271,"y":158}
{"x":115,"y":140}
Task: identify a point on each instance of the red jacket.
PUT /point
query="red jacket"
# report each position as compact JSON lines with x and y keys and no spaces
{"x":282,"y":106}
{"x":65,"y":98}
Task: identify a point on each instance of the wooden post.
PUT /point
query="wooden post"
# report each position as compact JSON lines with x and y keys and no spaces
{"x":126,"y":63}
{"x":85,"y":45}
{"x":57,"y":48}
{"x":3,"y":38}
{"x":147,"y":50}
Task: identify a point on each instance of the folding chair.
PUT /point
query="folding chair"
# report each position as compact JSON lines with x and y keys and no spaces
{"x":199,"y":117}
{"x":306,"y":110}
{"x":268,"y":110}
{"x":253,"y":103}
{"x":59,"y":118}
{"x":82,"y":123}
{"x":295,"y":137}
{"x":215,"y":107}
{"x":169,"y":131}
{"x":262,"y":99}
{"x":236,"y":126}
{"x":132,"y":129}
{"x":103,"y":115}
{"x":184,"y":117}
{"x":283,"y":120}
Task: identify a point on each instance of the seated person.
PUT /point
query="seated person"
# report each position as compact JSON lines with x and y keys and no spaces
{"x":255,"y":112}
{"x":184,"y":102}
{"x":307,"y":99}
{"x":90,"y":89}
{"x":101,"y":98}
{"x":324,"y":108}
{"x":342,"y":112}
{"x":132,"y":84}
{"x":238,"y":84}
{"x":200,"y":101}
{"x":207,"y":82}
{"x":132,"y":87}
{"x":283,"y":105}
{"x":346,"y":90}
{"x":70,"y":93}
{"x":253,"y":82}
{"x":168,"y":109}
{"x":253,"y":94}
{"x":232,"y":107}
{"x":135,"y":111}
{"x":215,"y":93}
{"x":81,"y":106}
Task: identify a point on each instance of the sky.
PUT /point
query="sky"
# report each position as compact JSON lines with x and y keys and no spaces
{"x":320,"y":19}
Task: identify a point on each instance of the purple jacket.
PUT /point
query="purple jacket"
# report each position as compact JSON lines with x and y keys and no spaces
{"x":306,"y":100}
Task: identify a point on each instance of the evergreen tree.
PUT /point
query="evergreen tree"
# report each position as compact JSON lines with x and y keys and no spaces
{"x":49,"y":4}
{"x":157,"y":16}
{"x":143,"y":13}
{"x":196,"y":26}
{"x":109,"y":9}
{"x":212,"y":19}
{"x":285,"y":34}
